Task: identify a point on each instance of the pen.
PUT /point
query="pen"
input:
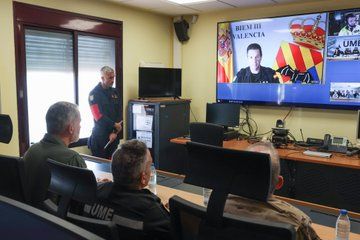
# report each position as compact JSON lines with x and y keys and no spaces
{"x":107,"y":144}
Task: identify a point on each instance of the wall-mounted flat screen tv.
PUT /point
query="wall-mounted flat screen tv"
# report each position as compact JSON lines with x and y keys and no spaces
{"x":310,"y":60}
{"x":159,"y":82}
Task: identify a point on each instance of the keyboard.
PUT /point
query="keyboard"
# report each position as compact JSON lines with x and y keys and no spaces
{"x":317,"y":154}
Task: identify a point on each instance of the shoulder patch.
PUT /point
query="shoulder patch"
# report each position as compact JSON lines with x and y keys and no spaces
{"x":91,"y":97}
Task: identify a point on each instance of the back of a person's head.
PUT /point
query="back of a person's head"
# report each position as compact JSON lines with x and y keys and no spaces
{"x":128,"y":162}
{"x":267,"y":147}
{"x":60,"y":115}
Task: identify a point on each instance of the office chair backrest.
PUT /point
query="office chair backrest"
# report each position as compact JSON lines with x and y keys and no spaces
{"x":79,"y":184}
{"x":188,"y":222}
{"x":12,"y":178}
{"x":6,"y":128}
{"x":237,"y":172}
{"x":207,"y":133}
{"x":71,"y":183}
{"x":228,"y":171}
{"x":21,"y":221}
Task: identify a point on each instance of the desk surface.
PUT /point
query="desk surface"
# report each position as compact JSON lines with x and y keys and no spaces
{"x":293,"y":153}
{"x":165,"y":193}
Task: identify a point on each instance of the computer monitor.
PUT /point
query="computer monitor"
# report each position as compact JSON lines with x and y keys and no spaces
{"x":225,"y":114}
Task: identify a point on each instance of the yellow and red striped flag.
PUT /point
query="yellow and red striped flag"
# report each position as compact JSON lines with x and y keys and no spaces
{"x":225,"y":71}
{"x":300,"y":58}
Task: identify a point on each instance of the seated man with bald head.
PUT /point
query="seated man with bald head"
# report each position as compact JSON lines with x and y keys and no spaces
{"x":274,"y":210}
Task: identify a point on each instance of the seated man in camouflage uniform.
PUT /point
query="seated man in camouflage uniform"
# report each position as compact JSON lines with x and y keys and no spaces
{"x":275,"y":209}
{"x":63,"y":127}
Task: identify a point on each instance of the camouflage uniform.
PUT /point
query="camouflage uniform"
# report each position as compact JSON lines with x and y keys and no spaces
{"x":273,"y":210}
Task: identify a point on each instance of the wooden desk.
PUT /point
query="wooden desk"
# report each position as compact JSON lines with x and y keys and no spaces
{"x":292,"y":153}
{"x":333,"y":182}
{"x":165,"y":193}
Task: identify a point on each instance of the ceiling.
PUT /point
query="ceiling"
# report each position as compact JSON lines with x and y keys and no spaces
{"x":173,"y":9}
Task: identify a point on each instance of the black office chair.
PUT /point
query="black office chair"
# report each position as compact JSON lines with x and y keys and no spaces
{"x":71,"y":183}
{"x":12,"y":178}
{"x":187,"y":219}
{"x":207,"y":133}
{"x":79,"y":184}
{"x":21,"y":221}
{"x":6,"y":128}
{"x":228,"y":171}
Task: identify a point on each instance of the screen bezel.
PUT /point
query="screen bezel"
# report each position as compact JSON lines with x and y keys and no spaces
{"x":274,"y":103}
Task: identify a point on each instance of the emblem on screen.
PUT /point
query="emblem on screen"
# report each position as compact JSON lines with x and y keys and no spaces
{"x":307,"y":32}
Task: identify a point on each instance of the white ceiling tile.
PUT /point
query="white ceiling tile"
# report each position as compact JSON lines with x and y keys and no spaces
{"x":173,"y":9}
{"x":148,"y":4}
{"x":248,"y":3}
{"x":209,"y":6}
{"x":293,"y":1}
{"x":176,"y":12}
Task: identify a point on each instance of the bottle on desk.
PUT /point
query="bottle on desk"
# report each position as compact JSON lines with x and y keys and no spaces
{"x":153,"y":179}
{"x":342,"y":226}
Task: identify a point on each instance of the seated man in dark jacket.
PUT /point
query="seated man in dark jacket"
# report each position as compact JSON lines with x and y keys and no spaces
{"x":126,"y":196}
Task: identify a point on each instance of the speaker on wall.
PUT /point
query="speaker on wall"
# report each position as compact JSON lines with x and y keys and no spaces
{"x":181,"y":29}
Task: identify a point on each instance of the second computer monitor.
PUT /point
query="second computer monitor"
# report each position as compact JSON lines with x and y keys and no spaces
{"x":224,"y":114}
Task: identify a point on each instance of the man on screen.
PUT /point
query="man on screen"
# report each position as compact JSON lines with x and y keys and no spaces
{"x":352,"y":27}
{"x":255,"y":73}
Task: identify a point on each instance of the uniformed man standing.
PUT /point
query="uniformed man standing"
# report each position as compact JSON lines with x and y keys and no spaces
{"x":105,"y":105}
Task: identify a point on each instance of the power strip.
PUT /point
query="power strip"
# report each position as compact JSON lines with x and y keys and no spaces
{"x":317,"y":154}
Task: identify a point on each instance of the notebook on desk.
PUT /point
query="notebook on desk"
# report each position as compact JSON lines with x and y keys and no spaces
{"x":317,"y":154}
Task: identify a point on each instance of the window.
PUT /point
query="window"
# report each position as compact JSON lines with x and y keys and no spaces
{"x":58,"y":58}
{"x":49,"y":75}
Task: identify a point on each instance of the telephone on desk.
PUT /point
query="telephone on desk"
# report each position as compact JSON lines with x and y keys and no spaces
{"x":335,"y":144}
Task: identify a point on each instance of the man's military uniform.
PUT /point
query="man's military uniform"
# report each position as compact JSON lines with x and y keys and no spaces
{"x":274,"y":210}
{"x":105,"y":105}
{"x":139,"y":208}
{"x":37,"y":175}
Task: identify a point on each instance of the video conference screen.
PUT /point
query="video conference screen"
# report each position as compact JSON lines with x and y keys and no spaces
{"x":304,"y":60}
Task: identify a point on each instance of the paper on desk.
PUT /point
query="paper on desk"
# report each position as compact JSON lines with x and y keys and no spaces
{"x":138,"y":109}
{"x":145,"y":137}
{"x":143,"y":122}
